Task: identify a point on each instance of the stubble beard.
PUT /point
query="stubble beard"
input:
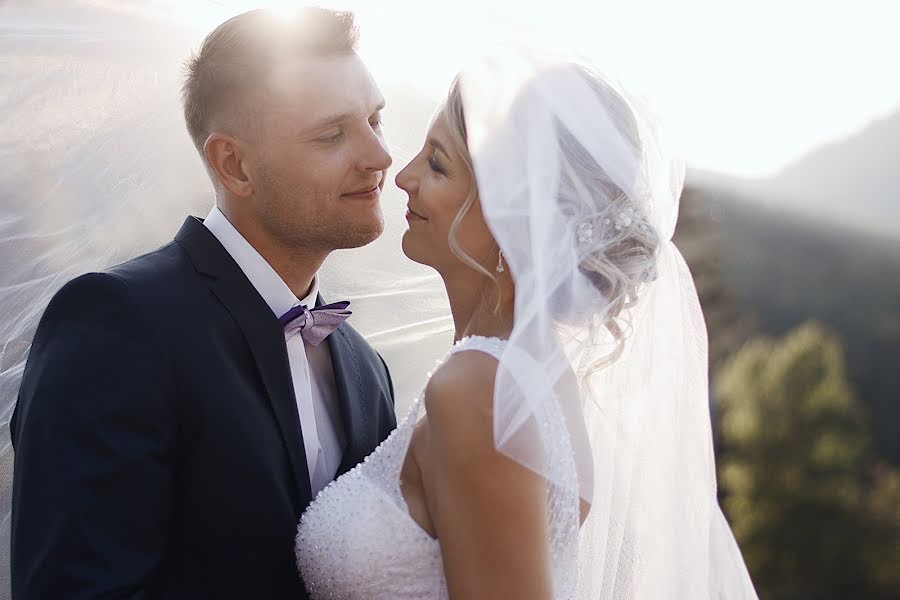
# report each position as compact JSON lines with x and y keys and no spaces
{"x":311,"y":230}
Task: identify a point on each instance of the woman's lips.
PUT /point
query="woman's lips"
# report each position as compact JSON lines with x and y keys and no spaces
{"x":413,"y":216}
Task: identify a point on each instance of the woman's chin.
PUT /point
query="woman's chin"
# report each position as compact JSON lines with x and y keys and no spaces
{"x":410,"y":248}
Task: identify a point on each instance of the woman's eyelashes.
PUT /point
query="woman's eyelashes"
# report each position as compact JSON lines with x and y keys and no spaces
{"x":435,"y":165}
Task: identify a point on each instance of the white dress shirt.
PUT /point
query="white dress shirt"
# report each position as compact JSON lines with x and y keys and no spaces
{"x":311,"y":369}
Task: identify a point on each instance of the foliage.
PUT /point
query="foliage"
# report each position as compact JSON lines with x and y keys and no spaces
{"x":814,"y":511}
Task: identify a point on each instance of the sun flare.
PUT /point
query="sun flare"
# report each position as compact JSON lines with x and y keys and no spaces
{"x":721,"y":93}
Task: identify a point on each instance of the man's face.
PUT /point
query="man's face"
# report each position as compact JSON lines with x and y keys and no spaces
{"x":319,"y":158}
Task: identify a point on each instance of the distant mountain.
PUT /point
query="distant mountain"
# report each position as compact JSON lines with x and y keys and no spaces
{"x":761,"y":271}
{"x":853,"y":183}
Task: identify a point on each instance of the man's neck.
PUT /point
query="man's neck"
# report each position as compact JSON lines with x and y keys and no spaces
{"x":297,"y":267}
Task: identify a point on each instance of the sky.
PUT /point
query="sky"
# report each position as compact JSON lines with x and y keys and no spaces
{"x":744,"y":88}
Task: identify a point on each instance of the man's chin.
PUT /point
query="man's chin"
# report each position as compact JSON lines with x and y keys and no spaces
{"x":359,"y":235}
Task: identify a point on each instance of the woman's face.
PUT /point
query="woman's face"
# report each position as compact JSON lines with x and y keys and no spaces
{"x":438,"y":182}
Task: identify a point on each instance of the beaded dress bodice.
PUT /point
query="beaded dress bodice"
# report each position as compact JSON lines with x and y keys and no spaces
{"x":357,"y":539}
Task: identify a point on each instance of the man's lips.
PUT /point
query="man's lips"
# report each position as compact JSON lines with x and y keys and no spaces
{"x":364,"y":192}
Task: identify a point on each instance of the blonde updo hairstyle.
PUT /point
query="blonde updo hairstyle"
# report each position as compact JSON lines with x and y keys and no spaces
{"x":620,"y":256}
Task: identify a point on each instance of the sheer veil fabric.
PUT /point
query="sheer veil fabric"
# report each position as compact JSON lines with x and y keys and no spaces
{"x":99,"y":169}
{"x":572,"y":170}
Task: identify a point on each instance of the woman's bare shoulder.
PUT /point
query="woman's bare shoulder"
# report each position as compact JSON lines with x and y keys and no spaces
{"x":459,"y":400}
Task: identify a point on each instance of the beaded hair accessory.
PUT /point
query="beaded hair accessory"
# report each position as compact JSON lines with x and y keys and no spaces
{"x":612,"y":227}
{"x":603,"y":225}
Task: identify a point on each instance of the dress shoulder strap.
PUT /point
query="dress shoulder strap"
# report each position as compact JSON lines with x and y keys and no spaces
{"x":489,"y":345}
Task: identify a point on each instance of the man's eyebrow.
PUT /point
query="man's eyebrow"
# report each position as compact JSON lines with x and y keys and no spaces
{"x":339,"y":118}
{"x":329,"y":121}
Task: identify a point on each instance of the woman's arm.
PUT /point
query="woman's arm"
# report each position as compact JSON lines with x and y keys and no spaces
{"x":489,"y":511}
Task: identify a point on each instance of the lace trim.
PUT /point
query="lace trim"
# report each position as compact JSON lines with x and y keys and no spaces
{"x":489,"y":345}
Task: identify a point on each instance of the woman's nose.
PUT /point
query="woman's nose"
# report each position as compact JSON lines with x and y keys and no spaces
{"x":404,"y":179}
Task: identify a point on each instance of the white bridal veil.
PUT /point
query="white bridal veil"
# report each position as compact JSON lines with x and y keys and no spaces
{"x":98,"y":167}
{"x":582,"y":196}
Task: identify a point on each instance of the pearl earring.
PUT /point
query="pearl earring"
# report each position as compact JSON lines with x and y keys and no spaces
{"x":500,"y":267}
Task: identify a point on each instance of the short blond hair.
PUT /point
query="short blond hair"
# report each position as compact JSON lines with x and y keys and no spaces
{"x":236,"y":57}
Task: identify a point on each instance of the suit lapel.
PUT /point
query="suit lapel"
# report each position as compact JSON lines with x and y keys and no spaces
{"x":348,"y":379}
{"x":263,"y":333}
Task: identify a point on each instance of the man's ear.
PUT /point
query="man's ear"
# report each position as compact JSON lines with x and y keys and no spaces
{"x":226,"y":159}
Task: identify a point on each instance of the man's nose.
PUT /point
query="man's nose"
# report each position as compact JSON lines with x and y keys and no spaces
{"x":376,"y":156}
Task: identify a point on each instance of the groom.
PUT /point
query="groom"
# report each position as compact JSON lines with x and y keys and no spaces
{"x":178,"y":412}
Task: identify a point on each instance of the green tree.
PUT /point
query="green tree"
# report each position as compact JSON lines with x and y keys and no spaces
{"x":814,"y":512}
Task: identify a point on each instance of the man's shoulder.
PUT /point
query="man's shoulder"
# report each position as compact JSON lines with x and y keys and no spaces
{"x":157,"y":267}
{"x":144,"y":280}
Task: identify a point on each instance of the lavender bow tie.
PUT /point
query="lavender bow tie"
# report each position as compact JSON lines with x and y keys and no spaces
{"x":315,"y":324}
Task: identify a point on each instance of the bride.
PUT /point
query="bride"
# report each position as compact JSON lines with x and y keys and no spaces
{"x":562,"y":448}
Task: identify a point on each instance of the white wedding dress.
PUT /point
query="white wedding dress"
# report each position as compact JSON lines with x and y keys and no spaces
{"x":357,"y":539}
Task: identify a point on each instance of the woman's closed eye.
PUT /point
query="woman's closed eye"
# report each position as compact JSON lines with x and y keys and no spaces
{"x":435,"y":165}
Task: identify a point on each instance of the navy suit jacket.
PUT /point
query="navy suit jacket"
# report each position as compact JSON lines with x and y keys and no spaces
{"x":158,"y":449}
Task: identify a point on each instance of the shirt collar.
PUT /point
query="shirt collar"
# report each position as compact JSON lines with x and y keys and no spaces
{"x":262,"y":276}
